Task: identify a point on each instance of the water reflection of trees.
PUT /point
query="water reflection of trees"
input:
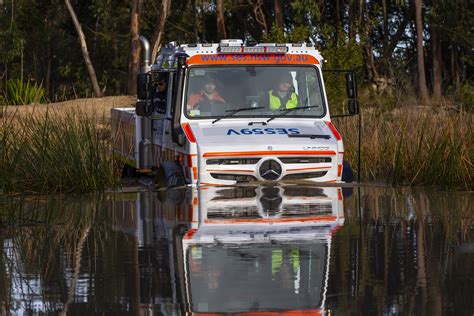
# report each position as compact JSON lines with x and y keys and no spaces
{"x":405,"y":251}
{"x":398,"y":253}
{"x":45,"y":245}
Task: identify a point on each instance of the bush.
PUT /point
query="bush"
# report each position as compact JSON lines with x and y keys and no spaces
{"x":18,"y":92}
{"x":463,"y":95}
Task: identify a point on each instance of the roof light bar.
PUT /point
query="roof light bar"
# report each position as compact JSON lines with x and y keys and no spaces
{"x":277,"y":49}
{"x":253,"y":49}
{"x":230,"y":49}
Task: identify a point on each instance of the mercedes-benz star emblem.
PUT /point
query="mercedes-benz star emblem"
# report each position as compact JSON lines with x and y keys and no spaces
{"x":270,"y":170}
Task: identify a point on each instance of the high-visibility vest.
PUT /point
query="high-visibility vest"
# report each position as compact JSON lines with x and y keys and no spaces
{"x":275,"y":102}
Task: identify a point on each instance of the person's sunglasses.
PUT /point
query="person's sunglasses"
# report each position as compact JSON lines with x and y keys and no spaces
{"x":161,"y":83}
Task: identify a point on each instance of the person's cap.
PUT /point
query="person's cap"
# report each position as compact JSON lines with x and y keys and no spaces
{"x":285,"y":78}
{"x":210,"y":78}
{"x":161,"y":77}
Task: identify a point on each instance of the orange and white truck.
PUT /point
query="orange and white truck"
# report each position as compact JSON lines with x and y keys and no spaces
{"x":232,"y":112}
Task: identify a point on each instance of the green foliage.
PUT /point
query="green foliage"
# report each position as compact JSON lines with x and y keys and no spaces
{"x":340,"y":53}
{"x":276,"y":35}
{"x":18,"y":92}
{"x":463,"y":95}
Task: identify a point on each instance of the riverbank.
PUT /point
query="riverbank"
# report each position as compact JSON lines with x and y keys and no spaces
{"x":66,"y":147}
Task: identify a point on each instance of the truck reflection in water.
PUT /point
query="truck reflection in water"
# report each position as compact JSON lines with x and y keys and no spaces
{"x":237,"y":250}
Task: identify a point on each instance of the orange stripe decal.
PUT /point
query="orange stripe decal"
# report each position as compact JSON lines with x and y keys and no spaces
{"x":270,"y":153}
{"x":190,"y":233}
{"x":272,"y":220}
{"x":195,"y":172}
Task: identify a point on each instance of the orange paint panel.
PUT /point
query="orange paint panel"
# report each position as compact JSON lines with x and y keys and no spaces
{"x":252,"y":59}
{"x":195,"y":173}
{"x":272,"y":220}
{"x":339,"y":170}
{"x":270,"y":153}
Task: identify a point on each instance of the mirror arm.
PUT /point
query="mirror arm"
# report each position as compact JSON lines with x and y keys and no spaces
{"x":177,"y":132}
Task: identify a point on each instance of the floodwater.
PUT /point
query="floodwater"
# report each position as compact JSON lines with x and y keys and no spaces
{"x":280,"y":250}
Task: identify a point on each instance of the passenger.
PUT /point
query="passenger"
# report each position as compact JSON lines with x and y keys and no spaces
{"x":282,"y":97}
{"x":160,"y":94}
{"x":207,"y":94}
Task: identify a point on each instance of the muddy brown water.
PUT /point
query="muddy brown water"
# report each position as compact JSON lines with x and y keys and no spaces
{"x":253,"y":250}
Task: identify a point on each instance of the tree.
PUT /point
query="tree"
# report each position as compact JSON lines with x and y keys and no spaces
{"x":134,"y":51}
{"x":85,"y":52}
{"x":422,"y":89}
{"x":159,"y":28}
{"x":221,"y":32}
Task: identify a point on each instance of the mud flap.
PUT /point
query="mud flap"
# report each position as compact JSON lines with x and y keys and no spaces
{"x":172,"y":174}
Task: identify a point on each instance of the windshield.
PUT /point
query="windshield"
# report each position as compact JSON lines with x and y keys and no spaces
{"x":254,"y":91}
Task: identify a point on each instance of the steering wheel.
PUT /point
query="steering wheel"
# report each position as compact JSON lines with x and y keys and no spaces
{"x":208,"y":105}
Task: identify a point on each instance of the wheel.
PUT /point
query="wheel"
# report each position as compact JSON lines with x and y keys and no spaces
{"x":170,"y":175}
{"x":128,"y":171}
{"x":160,"y":178}
{"x":347,"y":174}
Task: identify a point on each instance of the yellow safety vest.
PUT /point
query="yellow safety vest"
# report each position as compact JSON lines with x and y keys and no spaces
{"x":275,"y":101}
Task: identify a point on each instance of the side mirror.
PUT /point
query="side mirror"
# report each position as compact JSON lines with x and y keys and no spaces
{"x":353,"y":107}
{"x":144,"y":108}
{"x":351,"y":87}
{"x":143,"y":85}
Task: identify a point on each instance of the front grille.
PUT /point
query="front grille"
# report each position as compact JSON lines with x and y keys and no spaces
{"x":234,"y":177}
{"x":305,"y":159}
{"x":233,"y":161}
{"x":245,"y":212}
{"x":308,"y":175}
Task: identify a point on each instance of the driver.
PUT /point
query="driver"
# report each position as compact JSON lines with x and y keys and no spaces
{"x":208,"y":93}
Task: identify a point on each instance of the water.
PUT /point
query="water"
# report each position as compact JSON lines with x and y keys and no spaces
{"x":288,"y":250}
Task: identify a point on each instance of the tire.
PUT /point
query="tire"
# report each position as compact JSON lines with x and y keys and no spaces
{"x":347,"y":174}
{"x":128,"y":171}
{"x":172,"y":175}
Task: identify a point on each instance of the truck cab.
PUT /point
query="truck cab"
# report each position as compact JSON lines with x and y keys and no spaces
{"x":233,"y":113}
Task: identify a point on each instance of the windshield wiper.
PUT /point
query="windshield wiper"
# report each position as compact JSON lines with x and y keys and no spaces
{"x":311,"y":136}
{"x":232,"y":112}
{"x":285,"y":112}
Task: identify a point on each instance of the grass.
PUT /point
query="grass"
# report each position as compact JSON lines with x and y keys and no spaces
{"x":60,"y":150}
{"x":18,"y":92}
{"x":55,"y":152}
{"x":413,"y":146}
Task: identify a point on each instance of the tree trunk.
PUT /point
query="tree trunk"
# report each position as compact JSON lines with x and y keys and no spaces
{"x":85,"y":52}
{"x":385,"y":21}
{"x":221,"y":32}
{"x":423,"y":91}
{"x":159,"y":29}
{"x":437,"y":63}
{"x":279,"y":15}
{"x":260,"y":15}
{"x":134,"y":50}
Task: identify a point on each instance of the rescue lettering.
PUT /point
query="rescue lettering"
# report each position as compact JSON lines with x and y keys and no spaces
{"x":264,"y":131}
